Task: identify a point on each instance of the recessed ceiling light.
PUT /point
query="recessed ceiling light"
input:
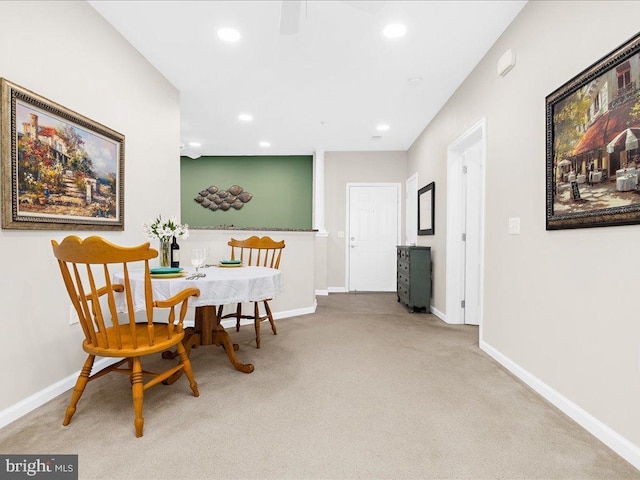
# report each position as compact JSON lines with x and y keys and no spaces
{"x":245,"y":117}
{"x":382,"y":128}
{"x":265,"y":144}
{"x":414,"y":81}
{"x":229,"y":35}
{"x":194,"y":144}
{"x":395,"y":30}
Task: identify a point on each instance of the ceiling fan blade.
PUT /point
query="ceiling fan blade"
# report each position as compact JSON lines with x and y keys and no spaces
{"x":290,"y":16}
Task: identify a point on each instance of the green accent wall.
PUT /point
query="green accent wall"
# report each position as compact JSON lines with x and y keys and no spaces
{"x":282,"y":188}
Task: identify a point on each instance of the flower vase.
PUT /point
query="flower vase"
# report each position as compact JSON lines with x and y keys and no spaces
{"x":165,"y":253}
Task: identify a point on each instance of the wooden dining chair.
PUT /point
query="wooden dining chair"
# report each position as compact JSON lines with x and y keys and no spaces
{"x":85,"y":267}
{"x":261,"y":252}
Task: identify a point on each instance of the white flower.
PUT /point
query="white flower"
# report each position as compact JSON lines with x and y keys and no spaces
{"x":164,"y":229}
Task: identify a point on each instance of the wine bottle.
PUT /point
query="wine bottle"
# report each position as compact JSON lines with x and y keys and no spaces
{"x":175,"y":253}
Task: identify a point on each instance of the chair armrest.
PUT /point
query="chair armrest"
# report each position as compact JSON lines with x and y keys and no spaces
{"x":182,"y":297}
{"x":101,"y":291}
{"x":176,"y":299}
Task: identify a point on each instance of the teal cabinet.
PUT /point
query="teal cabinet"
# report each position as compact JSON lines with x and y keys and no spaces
{"x":414,"y":277}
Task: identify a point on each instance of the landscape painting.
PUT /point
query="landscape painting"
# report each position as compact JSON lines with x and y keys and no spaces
{"x":62,"y":171}
{"x":593,"y":154}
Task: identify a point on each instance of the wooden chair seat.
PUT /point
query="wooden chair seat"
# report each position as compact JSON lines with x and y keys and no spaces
{"x":85,"y":267}
{"x":260,"y":252}
{"x":162,"y":340}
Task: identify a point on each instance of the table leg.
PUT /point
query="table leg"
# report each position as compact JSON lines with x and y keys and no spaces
{"x":192,"y":339}
{"x":214,"y":333}
{"x":221,"y":338}
{"x":208,"y":331}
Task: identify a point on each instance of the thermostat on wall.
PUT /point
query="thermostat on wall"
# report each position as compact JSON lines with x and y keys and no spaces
{"x":506,"y":62}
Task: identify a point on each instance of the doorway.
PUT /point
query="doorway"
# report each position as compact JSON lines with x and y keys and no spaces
{"x":373,"y":232}
{"x":465,"y":226}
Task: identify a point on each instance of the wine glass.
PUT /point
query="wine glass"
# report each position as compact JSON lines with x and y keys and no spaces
{"x":198,"y":256}
{"x":206,"y":255}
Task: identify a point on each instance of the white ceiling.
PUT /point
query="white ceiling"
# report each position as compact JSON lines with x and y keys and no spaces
{"x":326,"y":87}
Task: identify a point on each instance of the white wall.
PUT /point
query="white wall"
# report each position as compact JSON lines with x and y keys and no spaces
{"x":560,"y":305}
{"x":67,"y":53}
{"x":353,"y":167}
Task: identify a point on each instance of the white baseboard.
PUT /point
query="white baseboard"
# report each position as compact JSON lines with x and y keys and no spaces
{"x":338,"y":290}
{"x":297,"y":312}
{"x":32,"y":402}
{"x":322,"y":293}
{"x":276,"y":315}
{"x":616,"y":442}
{"x":438,"y":314}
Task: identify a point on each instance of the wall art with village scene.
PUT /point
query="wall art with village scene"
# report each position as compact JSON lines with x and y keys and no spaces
{"x":593,"y":135}
{"x":59,"y":170}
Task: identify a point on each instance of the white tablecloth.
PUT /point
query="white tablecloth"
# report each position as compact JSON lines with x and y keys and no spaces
{"x":596,"y":177}
{"x":626,"y":183}
{"x":221,"y":286}
{"x":626,"y":171}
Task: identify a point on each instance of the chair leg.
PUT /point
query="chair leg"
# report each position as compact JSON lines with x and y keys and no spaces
{"x":238,"y":315}
{"x":270,"y":316}
{"x":83,"y":378}
{"x":138,"y":392}
{"x":256,"y":321}
{"x":188,"y":371}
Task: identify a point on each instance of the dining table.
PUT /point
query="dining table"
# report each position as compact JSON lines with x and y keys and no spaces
{"x":626,"y":182}
{"x":625,"y":171}
{"x":219,"y":285}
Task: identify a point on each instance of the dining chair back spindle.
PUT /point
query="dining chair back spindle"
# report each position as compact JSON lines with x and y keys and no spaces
{"x":86,"y":270}
{"x":260,"y":252}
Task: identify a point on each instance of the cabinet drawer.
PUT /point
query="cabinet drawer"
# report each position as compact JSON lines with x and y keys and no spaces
{"x":403,"y":279}
{"x":403,"y":267}
{"x":403,"y":253}
{"x":403,"y":292}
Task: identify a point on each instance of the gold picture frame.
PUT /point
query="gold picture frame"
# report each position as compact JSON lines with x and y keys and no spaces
{"x":59,"y":169}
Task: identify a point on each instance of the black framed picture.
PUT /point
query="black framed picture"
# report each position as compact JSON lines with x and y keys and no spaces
{"x":426,"y":209}
{"x":592,"y":140}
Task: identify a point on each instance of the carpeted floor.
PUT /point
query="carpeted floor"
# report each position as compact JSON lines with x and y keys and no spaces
{"x":361,"y":389}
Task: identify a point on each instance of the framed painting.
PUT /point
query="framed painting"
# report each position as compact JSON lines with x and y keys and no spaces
{"x":426,"y":209}
{"x":59,"y":169}
{"x":592,"y":144}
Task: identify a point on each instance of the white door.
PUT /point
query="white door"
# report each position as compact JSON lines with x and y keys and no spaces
{"x":372,"y":237}
{"x":465,"y":227}
{"x":472,"y":183}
